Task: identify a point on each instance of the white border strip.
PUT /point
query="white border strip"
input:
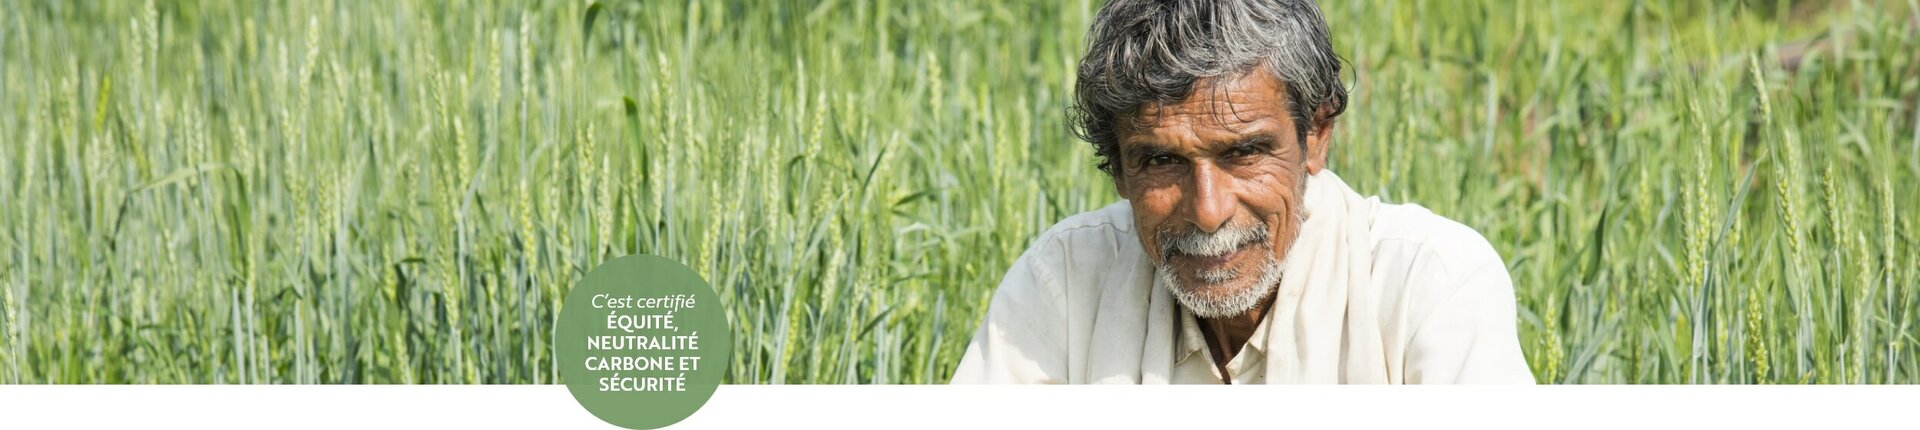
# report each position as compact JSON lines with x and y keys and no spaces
{"x":895,"y":406}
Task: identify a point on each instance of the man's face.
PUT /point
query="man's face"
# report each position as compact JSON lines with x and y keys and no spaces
{"x":1216,"y":183}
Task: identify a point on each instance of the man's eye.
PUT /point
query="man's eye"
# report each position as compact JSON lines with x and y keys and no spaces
{"x":1159,"y":160}
{"x":1242,"y":152}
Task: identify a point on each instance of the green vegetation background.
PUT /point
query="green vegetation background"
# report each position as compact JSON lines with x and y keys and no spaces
{"x":236,"y":191}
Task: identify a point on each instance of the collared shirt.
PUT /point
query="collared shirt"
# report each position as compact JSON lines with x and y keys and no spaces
{"x":1193,"y":360}
{"x":1372,"y":293}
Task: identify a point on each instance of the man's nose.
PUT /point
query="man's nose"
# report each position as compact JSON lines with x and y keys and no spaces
{"x":1212,"y":203}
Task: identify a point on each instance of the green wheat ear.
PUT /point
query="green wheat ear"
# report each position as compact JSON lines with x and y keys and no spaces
{"x":1757,"y":336}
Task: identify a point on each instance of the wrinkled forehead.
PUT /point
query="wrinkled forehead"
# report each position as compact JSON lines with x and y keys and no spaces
{"x":1230,"y":106}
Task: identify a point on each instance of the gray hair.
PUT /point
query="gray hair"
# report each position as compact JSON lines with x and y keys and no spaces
{"x":1143,"y":53}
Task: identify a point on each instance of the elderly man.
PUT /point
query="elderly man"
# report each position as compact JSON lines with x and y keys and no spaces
{"x":1238,"y":257}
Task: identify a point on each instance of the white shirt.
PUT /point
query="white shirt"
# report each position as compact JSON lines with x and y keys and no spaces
{"x":1193,"y":361}
{"x":1373,"y":293}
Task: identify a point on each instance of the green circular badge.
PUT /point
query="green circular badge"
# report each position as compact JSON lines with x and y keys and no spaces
{"x":642,"y":342}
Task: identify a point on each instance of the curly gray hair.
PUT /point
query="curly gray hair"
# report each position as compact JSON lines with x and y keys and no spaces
{"x":1147,"y":53}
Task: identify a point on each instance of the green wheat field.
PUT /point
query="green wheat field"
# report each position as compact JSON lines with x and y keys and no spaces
{"x":251,"y":192}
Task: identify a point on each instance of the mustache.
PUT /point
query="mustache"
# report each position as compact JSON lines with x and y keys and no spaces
{"x":1192,"y":241}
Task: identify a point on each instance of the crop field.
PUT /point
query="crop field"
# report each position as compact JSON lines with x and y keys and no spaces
{"x":255,"y":192}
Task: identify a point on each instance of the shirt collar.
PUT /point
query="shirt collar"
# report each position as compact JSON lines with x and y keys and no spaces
{"x":1191,"y":341}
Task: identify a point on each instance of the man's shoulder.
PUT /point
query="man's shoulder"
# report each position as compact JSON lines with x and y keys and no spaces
{"x":1412,"y":231}
{"x":1067,"y":269}
{"x":1106,"y":227}
{"x":1117,"y":216}
{"x":1083,"y":247}
{"x":1425,"y":263}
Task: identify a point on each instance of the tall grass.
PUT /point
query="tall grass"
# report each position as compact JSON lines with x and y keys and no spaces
{"x":402,"y":192}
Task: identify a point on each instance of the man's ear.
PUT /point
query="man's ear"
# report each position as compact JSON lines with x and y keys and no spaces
{"x":1317,"y":144}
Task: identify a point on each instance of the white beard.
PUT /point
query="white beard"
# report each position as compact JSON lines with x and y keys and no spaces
{"x":1219,"y":305}
{"x":1211,"y":305}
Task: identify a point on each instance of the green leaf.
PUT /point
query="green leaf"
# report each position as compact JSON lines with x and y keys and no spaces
{"x":586,"y":24}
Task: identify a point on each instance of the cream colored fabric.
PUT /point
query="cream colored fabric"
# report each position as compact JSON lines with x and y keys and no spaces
{"x":1193,"y":362}
{"x":1373,"y":293}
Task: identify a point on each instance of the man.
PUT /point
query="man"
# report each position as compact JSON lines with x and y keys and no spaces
{"x":1238,"y":257}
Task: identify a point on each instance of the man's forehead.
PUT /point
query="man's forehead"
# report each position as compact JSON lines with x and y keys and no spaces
{"x":1243,"y":104}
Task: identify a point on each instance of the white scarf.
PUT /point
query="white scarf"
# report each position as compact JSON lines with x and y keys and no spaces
{"x":1324,"y":326}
